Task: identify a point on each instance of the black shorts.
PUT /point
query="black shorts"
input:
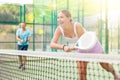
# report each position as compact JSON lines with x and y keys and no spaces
{"x":22,"y":47}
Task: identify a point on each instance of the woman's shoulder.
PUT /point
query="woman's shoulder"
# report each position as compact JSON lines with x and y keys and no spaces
{"x":78,"y":24}
{"x":58,"y":30}
{"x":79,"y":28}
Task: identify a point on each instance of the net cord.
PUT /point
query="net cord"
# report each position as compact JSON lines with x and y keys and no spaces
{"x":89,"y":57}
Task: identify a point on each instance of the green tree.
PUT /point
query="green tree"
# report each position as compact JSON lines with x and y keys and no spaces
{"x":9,"y":13}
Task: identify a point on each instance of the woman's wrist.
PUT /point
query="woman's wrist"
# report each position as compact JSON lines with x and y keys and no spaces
{"x":63,"y":47}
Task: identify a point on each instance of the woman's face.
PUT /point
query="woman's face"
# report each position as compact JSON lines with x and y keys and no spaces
{"x":62,"y":19}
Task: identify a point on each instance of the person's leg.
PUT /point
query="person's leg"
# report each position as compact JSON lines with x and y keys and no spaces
{"x":82,"y":69}
{"x":20,"y":57}
{"x":24,"y":57}
{"x":20,"y":61}
{"x":109,"y":68}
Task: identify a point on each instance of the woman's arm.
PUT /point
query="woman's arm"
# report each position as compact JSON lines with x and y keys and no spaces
{"x":55,"y":39}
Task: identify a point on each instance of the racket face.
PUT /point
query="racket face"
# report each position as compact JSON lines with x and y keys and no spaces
{"x":86,"y":41}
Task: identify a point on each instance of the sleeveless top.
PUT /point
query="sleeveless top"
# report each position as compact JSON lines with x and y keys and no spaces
{"x":69,"y":41}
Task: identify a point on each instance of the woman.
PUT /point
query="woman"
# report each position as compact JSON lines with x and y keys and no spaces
{"x":72,"y":31}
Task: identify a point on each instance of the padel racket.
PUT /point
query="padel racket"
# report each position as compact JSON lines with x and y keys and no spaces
{"x":86,"y":41}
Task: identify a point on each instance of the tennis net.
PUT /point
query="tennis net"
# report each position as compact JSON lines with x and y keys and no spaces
{"x":56,"y":65}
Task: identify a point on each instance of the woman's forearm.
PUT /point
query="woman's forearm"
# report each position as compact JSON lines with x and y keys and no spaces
{"x":56,"y":46}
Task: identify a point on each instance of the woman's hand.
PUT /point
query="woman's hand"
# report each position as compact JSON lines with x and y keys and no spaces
{"x":69,"y":48}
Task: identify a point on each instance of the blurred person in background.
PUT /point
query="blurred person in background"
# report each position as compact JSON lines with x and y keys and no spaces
{"x":23,"y":36}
